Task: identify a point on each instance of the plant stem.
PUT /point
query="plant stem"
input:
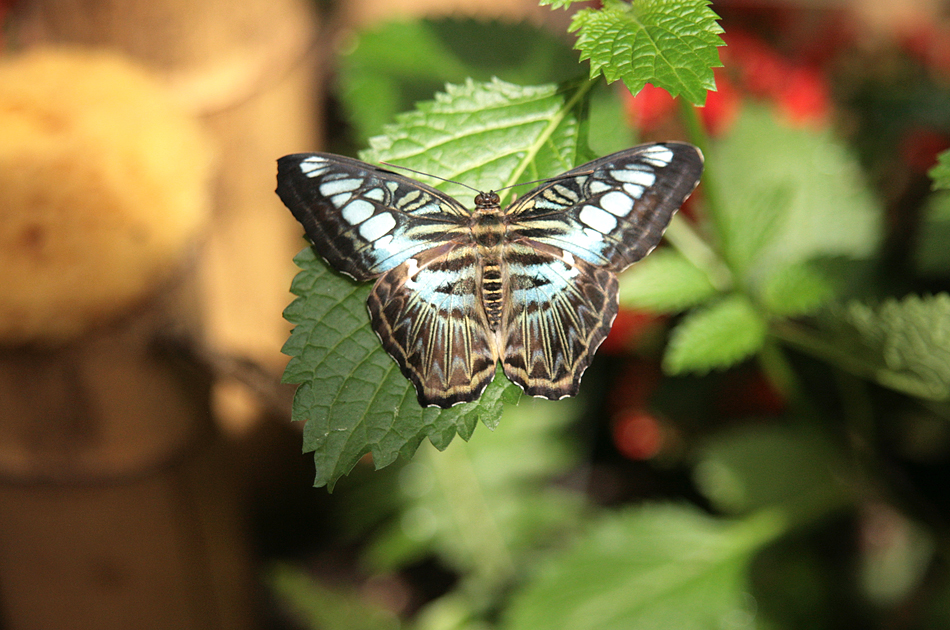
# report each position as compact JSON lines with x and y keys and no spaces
{"x":700,"y":138}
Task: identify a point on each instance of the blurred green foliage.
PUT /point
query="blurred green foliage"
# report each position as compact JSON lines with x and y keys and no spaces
{"x":806,"y":498}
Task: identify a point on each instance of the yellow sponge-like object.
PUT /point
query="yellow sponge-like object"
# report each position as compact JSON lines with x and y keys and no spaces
{"x":104,"y":185}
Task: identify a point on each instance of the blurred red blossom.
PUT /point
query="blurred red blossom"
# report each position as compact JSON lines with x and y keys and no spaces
{"x":752,"y":68}
{"x":627,"y":326}
{"x":649,"y":108}
{"x":722,"y":106}
{"x":749,"y":393}
{"x":637,"y":434}
{"x":920,"y":147}
{"x":804,"y":97}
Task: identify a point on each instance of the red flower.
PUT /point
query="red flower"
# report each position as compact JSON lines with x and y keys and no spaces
{"x":649,"y":108}
{"x":929,"y":45}
{"x":637,"y":434}
{"x":804,"y":97}
{"x":722,"y":106}
{"x":628,"y":325}
{"x":760,"y":70}
{"x":920,"y":148}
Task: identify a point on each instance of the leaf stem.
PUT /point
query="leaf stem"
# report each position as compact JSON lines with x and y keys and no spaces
{"x":691,"y":245}
{"x":548,"y":131}
{"x":808,"y":342}
{"x":698,"y":136}
{"x":681,"y":234}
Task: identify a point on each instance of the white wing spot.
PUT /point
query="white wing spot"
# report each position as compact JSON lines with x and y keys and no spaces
{"x":357,"y":211}
{"x":378,"y":226}
{"x":313,"y":166}
{"x":634,"y":190}
{"x":340,"y":200}
{"x":617,"y":203}
{"x":659,"y":154}
{"x":634,"y":176}
{"x":596,"y":218}
{"x":376,"y":194}
{"x":337,"y":186}
{"x":598,"y":186}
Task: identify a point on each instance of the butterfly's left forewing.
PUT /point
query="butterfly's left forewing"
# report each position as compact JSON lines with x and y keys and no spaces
{"x":361,"y":219}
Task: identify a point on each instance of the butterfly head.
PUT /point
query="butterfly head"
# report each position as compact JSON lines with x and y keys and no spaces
{"x":484,"y":200}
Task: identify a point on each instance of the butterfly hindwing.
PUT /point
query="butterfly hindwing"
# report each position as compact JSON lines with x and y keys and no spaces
{"x":559,"y":310}
{"x":613,"y":211}
{"x":364,"y":220}
{"x":428,"y":315}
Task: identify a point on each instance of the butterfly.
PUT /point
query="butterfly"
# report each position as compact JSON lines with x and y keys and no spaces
{"x":533,"y":285}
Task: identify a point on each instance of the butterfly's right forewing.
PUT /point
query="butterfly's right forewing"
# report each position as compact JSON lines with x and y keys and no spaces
{"x":365,"y":221}
{"x":613,"y":211}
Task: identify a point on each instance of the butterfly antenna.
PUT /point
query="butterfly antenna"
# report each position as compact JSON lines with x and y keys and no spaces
{"x":412,"y":170}
{"x":452,"y":181}
{"x":546,"y":179}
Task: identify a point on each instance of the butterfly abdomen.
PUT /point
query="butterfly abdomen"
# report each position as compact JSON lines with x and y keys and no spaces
{"x":492,"y":292}
{"x":488,"y":231}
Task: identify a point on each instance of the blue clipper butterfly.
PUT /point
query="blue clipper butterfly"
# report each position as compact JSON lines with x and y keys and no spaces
{"x":533,"y":285}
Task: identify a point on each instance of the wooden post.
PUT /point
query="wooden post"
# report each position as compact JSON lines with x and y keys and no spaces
{"x":118,"y":504}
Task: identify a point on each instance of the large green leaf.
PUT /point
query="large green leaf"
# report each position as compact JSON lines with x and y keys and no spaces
{"x":901,"y":344}
{"x":665,"y":282}
{"x":669,"y":43}
{"x":907,"y":342}
{"x":650,"y":568}
{"x":788,"y":195}
{"x":772,"y":466}
{"x":351,"y":393}
{"x":795,"y":290}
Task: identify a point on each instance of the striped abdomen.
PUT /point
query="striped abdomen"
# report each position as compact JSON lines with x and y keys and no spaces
{"x":492,"y":292}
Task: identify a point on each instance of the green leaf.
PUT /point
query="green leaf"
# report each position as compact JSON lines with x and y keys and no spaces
{"x":320,"y":606}
{"x":764,"y":219}
{"x":657,"y":567}
{"x":669,"y":43}
{"x":716,"y":336}
{"x":351,"y":394}
{"x":664,"y":282}
{"x":795,"y":290}
{"x":789,"y":195}
{"x":941,"y":172}
{"x":387,"y":69}
{"x":501,"y":482}
{"x":905,"y":343}
{"x":756,"y":466}
{"x":486,"y":135}
{"x":559,"y":4}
